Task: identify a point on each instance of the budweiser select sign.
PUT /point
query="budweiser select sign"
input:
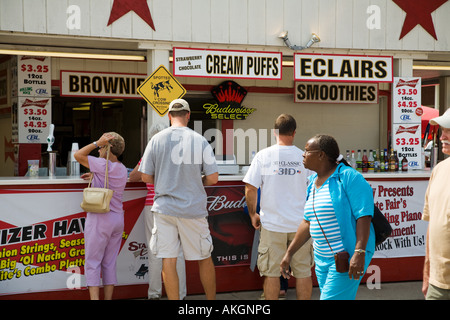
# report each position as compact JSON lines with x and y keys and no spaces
{"x":407,"y":121}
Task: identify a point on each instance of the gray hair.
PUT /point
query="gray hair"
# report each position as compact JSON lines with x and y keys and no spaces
{"x":117,"y":144}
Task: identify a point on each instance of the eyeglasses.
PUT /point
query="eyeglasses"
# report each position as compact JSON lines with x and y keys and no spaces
{"x":310,"y":151}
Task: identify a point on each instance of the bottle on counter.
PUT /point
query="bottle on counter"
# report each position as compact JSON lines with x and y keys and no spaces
{"x":392,"y":161}
{"x":376,"y":161}
{"x":365,"y":162}
{"x":382,"y":161}
{"x":397,"y":162}
{"x":347,"y":156}
{"x":386,"y":161}
{"x":353,"y":160}
{"x":371,"y":161}
{"x":404,"y":164}
{"x":359,"y":161}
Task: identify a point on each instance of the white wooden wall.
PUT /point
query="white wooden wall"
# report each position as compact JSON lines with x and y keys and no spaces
{"x":339,"y":23}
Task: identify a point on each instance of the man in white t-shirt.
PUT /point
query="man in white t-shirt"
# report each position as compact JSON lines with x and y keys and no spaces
{"x":279,"y":172}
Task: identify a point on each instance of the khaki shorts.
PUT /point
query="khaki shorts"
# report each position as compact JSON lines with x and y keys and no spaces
{"x":272,"y":248}
{"x":169,"y":233}
{"x":436,"y":293}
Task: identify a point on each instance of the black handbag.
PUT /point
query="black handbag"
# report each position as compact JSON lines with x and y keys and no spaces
{"x":380,"y":224}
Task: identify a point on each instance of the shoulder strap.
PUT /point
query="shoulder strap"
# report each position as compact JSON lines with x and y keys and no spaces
{"x":108,"y":146}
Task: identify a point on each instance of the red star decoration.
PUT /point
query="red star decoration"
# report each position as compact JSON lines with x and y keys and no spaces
{"x":419,"y":12}
{"x":9,"y":149}
{"x":122,"y":7}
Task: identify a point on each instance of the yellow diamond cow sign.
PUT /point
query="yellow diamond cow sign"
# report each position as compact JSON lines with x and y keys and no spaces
{"x":160,"y":88}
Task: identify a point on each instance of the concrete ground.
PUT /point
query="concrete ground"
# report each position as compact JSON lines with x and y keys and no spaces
{"x":387,"y":291}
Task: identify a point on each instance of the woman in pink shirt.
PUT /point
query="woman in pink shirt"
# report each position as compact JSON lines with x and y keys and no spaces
{"x":103,"y":231}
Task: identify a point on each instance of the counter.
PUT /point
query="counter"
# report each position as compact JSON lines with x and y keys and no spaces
{"x":42,"y":244}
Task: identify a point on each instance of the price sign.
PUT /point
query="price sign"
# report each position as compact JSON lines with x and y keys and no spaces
{"x":34,"y":119}
{"x":34,"y":99}
{"x":407,"y":143}
{"x":406,"y":100}
{"x":34,"y":77}
{"x":407,"y":121}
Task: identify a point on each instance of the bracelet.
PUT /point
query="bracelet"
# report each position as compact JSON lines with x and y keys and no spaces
{"x":95,"y":144}
{"x":360,"y":251}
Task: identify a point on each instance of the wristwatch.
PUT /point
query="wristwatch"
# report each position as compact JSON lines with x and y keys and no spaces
{"x":95,"y":144}
{"x":360,"y":251}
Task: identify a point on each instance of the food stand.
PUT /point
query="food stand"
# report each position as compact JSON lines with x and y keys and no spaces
{"x":364,"y":83}
{"x":42,"y":252}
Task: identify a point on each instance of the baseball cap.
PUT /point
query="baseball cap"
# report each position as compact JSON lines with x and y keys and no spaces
{"x":178,"y":105}
{"x":443,"y":121}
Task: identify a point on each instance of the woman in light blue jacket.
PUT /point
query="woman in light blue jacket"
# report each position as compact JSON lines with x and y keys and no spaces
{"x":338,"y":215}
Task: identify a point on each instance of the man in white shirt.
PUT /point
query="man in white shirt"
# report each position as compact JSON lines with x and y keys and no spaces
{"x":279,"y":172}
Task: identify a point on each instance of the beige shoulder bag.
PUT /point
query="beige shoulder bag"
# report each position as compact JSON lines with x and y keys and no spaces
{"x":97,"y":200}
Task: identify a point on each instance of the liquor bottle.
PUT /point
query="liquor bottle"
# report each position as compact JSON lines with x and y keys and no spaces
{"x":359,"y":161}
{"x":376,"y":161}
{"x":404,"y":163}
{"x":397,"y":164}
{"x":370,"y":161}
{"x":365,"y":161}
{"x":386,"y":160}
{"x":347,"y":157}
{"x":392,"y":161}
{"x":353,"y":160}
{"x":382,"y":168}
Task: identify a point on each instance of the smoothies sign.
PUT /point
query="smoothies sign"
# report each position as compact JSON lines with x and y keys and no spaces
{"x":407,"y":122}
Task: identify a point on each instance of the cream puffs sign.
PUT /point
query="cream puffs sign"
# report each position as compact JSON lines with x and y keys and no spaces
{"x":230,"y":64}
{"x":336,"y":68}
